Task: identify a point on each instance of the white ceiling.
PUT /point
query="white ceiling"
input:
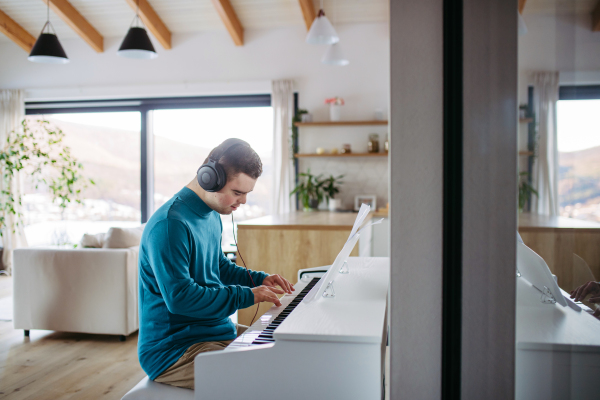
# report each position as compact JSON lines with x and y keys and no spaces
{"x":112,"y":17}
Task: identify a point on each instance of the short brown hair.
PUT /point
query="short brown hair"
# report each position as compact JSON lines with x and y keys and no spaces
{"x":238,"y":159}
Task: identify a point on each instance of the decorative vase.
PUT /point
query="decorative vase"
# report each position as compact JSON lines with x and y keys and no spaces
{"x":335,"y":204}
{"x":335,"y":112}
{"x":314,"y":204}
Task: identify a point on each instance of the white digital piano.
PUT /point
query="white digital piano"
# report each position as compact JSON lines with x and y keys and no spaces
{"x":321,"y":343}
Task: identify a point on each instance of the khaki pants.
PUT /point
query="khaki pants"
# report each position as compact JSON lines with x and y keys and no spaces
{"x":181,"y":373}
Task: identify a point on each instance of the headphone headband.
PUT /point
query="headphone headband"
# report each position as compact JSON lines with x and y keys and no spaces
{"x":217,"y":157}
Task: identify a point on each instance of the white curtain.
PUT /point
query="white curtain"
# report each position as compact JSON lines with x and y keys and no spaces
{"x":545,"y":167}
{"x":12,"y":112}
{"x":282,"y":101}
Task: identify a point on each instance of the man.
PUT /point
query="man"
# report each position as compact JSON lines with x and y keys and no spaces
{"x":188,"y":288}
{"x":591,"y":288}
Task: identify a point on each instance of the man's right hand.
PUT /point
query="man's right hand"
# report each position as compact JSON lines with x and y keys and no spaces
{"x":268,"y":294}
{"x":583,"y":291}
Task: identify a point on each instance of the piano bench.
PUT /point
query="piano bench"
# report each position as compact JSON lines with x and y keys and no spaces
{"x":150,"y":390}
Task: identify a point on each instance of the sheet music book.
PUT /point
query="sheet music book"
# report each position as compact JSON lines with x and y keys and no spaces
{"x":343,"y":255}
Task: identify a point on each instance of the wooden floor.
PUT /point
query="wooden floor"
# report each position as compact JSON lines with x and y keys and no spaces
{"x":59,"y":365}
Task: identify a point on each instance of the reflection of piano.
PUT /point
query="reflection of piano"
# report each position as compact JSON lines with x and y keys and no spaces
{"x":558,"y":346}
{"x":331,"y":348}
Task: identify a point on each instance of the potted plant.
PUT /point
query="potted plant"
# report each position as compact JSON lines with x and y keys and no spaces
{"x":525,"y":190}
{"x":309,"y":190}
{"x":40,"y":153}
{"x":331,"y":188}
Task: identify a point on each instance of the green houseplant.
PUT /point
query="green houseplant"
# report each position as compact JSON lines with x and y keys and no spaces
{"x":297,"y":118}
{"x":309,"y":190}
{"x":331,"y":187}
{"x":525,"y":190}
{"x":40,"y":153}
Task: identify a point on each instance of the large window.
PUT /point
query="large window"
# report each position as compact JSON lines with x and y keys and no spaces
{"x":134,"y":175}
{"x":108,"y":146}
{"x":579,"y":159}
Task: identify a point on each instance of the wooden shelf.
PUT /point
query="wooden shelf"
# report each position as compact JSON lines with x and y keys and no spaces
{"x":342,"y":155}
{"x":526,"y":153}
{"x":341,"y":123}
{"x":526,"y":120}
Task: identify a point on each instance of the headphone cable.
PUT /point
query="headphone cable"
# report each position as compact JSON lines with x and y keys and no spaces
{"x":244,"y":262}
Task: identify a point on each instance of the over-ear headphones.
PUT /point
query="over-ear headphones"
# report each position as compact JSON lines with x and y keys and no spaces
{"x":211,"y":176}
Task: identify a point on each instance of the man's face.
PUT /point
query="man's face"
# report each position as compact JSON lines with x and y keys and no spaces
{"x":228,"y":199}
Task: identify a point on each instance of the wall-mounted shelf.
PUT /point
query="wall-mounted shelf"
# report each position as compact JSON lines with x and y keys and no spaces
{"x":525,"y":120}
{"x":342,"y":155}
{"x":341,"y":123}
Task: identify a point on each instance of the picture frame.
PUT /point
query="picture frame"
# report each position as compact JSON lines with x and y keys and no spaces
{"x":369,"y":199}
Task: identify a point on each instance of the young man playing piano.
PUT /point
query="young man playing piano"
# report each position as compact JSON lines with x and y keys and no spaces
{"x":188,"y":288}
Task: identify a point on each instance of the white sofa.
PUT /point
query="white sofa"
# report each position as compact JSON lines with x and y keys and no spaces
{"x":76,"y":290}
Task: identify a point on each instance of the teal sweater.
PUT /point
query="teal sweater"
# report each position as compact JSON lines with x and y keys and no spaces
{"x":187,"y":287}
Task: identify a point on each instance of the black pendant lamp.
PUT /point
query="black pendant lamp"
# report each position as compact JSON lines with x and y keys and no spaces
{"x":136,"y":43}
{"x":47,"y":48}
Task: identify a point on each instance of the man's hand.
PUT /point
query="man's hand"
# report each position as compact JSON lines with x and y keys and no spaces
{"x":583,"y":291}
{"x":278,"y":280}
{"x":265,"y":293}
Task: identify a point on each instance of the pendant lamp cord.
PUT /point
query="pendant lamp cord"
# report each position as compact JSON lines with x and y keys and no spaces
{"x":48,"y":15}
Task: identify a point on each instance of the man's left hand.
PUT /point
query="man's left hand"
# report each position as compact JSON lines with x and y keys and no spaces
{"x":278,"y":280}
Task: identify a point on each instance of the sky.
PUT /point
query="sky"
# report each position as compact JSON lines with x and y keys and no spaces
{"x":199,"y":127}
{"x":578,"y":124}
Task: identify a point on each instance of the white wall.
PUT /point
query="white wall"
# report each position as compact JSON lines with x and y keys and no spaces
{"x":209,"y":63}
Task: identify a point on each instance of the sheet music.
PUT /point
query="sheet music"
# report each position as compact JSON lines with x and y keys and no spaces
{"x":362,"y":214}
{"x":369,"y":224}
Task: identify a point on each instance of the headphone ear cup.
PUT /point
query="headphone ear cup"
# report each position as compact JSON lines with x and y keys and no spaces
{"x":207,"y":177}
{"x":221,"y":177}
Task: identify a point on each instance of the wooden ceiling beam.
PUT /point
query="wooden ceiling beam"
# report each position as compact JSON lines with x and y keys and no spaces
{"x":152,"y":22}
{"x":78,"y":23}
{"x":231,"y":21}
{"x":16,"y":33}
{"x":596,"y":18}
{"x":308,"y":12}
{"x":522,"y":5}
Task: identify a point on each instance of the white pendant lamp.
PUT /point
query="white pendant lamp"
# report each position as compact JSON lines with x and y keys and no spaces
{"x":136,"y":43}
{"x":47,"y":49}
{"x":334,"y":56}
{"x":321,"y":31}
{"x":522,"y":26}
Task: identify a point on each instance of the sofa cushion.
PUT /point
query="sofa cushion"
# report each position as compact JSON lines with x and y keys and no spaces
{"x":95,"y":241}
{"x":150,"y":390}
{"x":121,"y":238}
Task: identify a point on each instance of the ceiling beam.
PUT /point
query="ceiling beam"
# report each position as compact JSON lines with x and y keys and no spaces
{"x":16,"y":33}
{"x":522,"y":5}
{"x":596,"y":18}
{"x":78,"y":23}
{"x":308,"y":12}
{"x":152,"y":22}
{"x":231,"y":21}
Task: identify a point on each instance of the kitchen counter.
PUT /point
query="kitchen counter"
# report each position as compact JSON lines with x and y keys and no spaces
{"x":320,"y":220}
